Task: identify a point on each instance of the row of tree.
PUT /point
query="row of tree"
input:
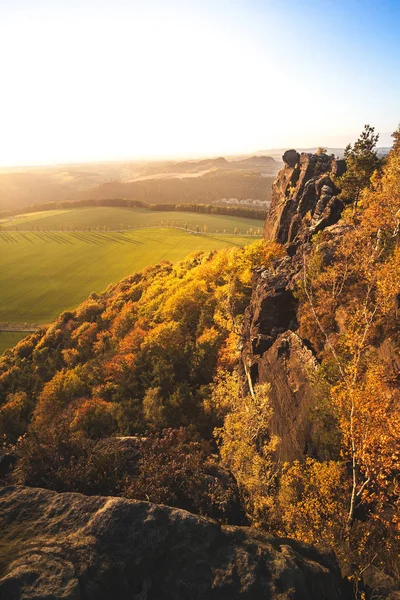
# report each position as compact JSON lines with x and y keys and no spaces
{"x":247,"y":212}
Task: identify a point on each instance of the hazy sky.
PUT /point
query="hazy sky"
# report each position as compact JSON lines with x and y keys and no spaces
{"x":98,"y":80}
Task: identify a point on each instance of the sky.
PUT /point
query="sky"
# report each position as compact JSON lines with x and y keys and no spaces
{"x":93,"y":80}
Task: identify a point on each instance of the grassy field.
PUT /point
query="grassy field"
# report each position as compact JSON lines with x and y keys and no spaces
{"x":115,"y":218}
{"x":10,"y":338}
{"x":44,"y":273}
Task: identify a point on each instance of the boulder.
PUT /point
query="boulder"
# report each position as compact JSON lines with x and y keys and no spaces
{"x":291,"y":158}
{"x":378,"y":584}
{"x":73,"y":547}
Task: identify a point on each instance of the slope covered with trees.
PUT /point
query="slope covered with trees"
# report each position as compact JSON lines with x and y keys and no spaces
{"x":139,"y":359}
{"x":338,"y":483}
{"x":168,"y":358}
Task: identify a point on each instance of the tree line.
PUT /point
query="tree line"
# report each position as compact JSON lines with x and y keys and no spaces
{"x":231,"y":210}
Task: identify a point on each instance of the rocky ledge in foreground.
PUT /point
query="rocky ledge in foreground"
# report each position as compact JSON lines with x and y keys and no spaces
{"x":75,"y":547}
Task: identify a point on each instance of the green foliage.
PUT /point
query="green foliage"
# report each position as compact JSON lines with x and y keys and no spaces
{"x":361,"y":160}
{"x":396,"y":140}
{"x":154,"y":409}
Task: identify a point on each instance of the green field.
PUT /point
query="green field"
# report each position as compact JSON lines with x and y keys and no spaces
{"x":44,"y":273}
{"x":115,"y":218}
{"x":10,"y":338}
{"x":51,"y":261}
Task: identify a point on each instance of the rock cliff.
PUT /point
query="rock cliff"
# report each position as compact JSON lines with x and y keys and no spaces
{"x":73,"y":547}
{"x":304,"y":197}
{"x":304,"y":201}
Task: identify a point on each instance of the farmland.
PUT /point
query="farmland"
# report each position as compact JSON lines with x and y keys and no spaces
{"x":10,"y":338}
{"x":116,"y":218}
{"x":44,"y":273}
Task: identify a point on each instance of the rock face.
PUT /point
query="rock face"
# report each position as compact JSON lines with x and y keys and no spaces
{"x":73,"y":547}
{"x":304,"y":201}
{"x":379,"y":585}
{"x":304,"y":197}
{"x":289,"y":366}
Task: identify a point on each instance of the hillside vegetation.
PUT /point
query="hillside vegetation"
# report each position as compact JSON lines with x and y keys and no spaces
{"x":139,"y":358}
{"x":158,"y":357}
{"x":45,"y":272}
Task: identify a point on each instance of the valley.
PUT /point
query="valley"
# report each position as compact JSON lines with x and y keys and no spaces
{"x":51,"y":261}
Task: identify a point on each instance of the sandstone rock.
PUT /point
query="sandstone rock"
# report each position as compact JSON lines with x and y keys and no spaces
{"x":339,"y":167}
{"x":273,"y":353}
{"x":291,"y":158}
{"x":72,"y":547}
{"x":329,"y":216}
{"x":272,"y":309}
{"x":290,"y":366}
{"x":380,"y":585}
{"x":304,"y":202}
{"x":302,"y":190}
{"x":389,"y":354}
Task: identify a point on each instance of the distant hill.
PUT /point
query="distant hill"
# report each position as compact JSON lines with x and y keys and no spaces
{"x":210,"y":187}
{"x":264,"y":164}
{"x":257,"y":161}
{"x":277,"y":153}
{"x":201,"y":181}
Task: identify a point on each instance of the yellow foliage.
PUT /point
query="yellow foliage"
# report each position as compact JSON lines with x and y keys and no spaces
{"x":312,"y":501}
{"x":374,"y":430}
{"x":247,"y":449}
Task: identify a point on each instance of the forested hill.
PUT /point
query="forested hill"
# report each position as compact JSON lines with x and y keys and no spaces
{"x":256,"y":385}
{"x":205,"y":181}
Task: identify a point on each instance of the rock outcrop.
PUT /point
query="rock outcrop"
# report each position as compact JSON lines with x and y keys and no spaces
{"x":379,"y":585}
{"x":304,"y":201}
{"x":73,"y":547}
{"x":289,"y":365}
{"x":304,"y":197}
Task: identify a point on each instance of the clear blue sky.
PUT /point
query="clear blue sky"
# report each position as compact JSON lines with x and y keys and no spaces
{"x":110,"y":79}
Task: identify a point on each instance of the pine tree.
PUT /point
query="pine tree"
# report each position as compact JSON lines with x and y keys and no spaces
{"x":396,"y":140}
{"x":361,"y":160}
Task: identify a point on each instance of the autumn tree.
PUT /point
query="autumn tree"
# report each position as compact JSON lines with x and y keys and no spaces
{"x":247,"y":448}
{"x":348,"y":311}
{"x":396,"y":140}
